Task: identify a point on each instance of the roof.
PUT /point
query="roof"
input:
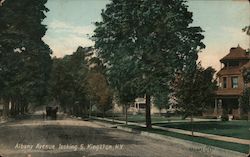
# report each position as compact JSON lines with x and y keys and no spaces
{"x":230,"y":71}
{"x":229,"y":92}
{"x":236,"y":53}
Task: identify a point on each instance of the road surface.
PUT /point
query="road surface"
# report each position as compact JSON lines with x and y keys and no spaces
{"x":67,"y":137}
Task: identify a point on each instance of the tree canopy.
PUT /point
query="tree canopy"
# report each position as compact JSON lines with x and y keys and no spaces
{"x":195,"y":92}
{"x":24,"y":58}
{"x":144,"y":43}
{"x":68,"y":81}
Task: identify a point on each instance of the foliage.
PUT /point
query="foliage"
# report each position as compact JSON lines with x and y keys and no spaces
{"x":99,"y":91}
{"x":161,"y":100}
{"x":194,"y":92}
{"x":247,"y":30}
{"x":68,"y":81}
{"x":98,"y":88}
{"x":24,"y":58}
{"x":143,"y":44}
{"x":244,"y":101}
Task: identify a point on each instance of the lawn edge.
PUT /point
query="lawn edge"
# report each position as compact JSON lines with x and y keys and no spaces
{"x":211,"y":150}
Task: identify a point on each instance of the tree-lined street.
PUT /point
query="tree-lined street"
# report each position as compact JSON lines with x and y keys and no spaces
{"x":66,"y":131}
{"x":143,"y":61}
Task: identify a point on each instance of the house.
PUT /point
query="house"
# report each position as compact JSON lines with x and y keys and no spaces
{"x":231,"y":82}
{"x":139,"y":106}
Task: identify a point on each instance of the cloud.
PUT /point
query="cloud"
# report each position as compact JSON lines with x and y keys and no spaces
{"x":67,"y":44}
{"x":63,"y":27}
{"x":64,"y":38}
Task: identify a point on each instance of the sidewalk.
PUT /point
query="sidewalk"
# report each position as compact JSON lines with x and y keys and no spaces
{"x":188,"y":120}
{"x":197,"y":134}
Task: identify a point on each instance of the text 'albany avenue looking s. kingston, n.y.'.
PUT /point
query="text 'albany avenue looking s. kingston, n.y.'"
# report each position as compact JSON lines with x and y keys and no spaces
{"x":69,"y":147}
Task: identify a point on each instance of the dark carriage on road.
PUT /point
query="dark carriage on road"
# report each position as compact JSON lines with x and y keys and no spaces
{"x":51,"y":112}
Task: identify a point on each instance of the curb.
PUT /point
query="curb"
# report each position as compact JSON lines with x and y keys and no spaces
{"x":211,"y":150}
{"x":105,"y":124}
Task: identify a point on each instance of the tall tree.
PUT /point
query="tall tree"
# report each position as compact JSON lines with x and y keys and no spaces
{"x":68,"y":82}
{"x":194,"y":92}
{"x":25,"y":59}
{"x":99,"y":92}
{"x":146,"y":42}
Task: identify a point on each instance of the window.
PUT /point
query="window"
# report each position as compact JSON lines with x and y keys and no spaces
{"x":224,"y":82}
{"x":234,"y":81}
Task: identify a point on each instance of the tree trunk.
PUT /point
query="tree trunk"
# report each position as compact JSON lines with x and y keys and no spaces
{"x":123,"y":110}
{"x":248,"y":110}
{"x":85,"y":110}
{"x":192,"y":126}
{"x":103,"y":113}
{"x":6,"y":109}
{"x":17,"y":108}
{"x":26,"y":110}
{"x":90,"y":109}
{"x":148,"y":112}
{"x":14,"y":104}
{"x":11,"y":109}
{"x":126,"y":114}
{"x":23,"y":103}
{"x":113,"y":110}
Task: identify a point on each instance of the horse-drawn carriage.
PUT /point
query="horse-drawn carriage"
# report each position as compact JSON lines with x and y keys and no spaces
{"x":51,"y":112}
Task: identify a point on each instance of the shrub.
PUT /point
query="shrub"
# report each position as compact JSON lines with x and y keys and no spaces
{"x":224,"y":118}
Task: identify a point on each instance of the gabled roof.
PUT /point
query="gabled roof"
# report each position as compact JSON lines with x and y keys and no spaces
{"x":236,"y":53}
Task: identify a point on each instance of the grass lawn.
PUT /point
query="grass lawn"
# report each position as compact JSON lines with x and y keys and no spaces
{"x":225,"y":145}
{"x":141,"y":118}
{"x":238,"y":129}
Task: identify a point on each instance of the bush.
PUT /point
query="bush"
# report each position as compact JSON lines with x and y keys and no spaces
{"x":224,"y":118}
{"x":244,"y":117}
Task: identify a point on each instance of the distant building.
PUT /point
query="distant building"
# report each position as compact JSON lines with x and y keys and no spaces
{"x":139,"y":106}
{"x":231,"y":82}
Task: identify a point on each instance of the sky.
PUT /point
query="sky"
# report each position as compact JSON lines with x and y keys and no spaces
{"x":70,"y":23}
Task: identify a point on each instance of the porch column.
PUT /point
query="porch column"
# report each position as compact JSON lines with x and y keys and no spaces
{"x":215,"y":106}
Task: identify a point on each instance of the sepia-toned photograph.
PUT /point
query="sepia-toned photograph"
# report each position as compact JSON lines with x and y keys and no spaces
{"x":124,"y":78}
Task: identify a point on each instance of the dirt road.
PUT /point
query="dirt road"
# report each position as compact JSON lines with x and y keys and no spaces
{"x":35,"y":137}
